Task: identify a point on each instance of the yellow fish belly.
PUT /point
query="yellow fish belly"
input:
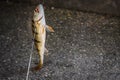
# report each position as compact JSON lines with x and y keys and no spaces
{"x":39,"y":40}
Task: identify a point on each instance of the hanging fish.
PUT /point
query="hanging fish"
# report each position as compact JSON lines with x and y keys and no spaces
{"x":39,"y":28}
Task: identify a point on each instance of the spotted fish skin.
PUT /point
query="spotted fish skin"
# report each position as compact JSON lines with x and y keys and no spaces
{"x":39,"y":33}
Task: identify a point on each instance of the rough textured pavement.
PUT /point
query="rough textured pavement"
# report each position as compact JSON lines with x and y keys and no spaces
{"x":85,"y":46}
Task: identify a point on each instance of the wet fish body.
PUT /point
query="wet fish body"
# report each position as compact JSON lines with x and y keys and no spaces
{"x":39,"y":33}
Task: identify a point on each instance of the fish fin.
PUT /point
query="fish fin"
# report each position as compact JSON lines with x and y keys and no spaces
{"x":49,"y":28}
{"x":46,"y":50}
{"x":36,"y":68}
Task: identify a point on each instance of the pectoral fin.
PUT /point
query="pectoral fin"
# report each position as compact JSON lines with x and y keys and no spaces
{"x":46,"y":51}
{"x":49,"y":28}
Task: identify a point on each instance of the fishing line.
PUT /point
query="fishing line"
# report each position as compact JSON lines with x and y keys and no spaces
{"x":28,"y":70}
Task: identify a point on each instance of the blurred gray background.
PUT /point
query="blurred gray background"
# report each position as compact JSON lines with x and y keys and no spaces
{"x":99,"y":6}
{"x":84,"y":46}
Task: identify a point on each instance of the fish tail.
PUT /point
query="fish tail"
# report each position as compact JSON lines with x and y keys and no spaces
{"x":41,"y":58}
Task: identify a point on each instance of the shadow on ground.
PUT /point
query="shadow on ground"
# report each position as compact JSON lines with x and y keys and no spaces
{"x":85,"y":46}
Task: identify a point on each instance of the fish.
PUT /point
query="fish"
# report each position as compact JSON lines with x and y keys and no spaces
{"x":39,"y":28}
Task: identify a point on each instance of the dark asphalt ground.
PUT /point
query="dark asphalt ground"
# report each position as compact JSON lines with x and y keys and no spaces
{"x":85,"y":46}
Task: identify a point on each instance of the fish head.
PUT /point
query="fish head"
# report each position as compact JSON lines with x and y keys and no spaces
{"x":37,"y":13}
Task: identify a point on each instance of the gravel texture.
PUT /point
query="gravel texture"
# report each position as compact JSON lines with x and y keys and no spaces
{"x":84,"y":46}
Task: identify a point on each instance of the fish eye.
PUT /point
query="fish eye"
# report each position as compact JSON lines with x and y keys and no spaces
{"x":36,"y":10}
